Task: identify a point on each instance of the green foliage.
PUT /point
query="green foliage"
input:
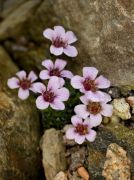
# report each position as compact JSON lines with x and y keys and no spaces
{"x":57,"y":119}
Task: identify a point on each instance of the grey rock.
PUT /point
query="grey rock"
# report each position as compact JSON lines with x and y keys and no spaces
{"x":111,"y":133}
{"x":19,"y":129}
{"x":78,"y":156}
{"x":53,"y":152}
{"x":105,"y":34}
{"x":104,"y":29}
{"x":13,"y":23}
{"x":115,"y":92}
{"x":8,"y":6}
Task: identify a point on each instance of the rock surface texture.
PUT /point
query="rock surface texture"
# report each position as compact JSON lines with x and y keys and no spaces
{"x":61,"y":176}
{"x":67,"y":157}
{"x":53,"y":152}
{"x":104,"y":29}
{"x":19,"y":130}
{"x":17,"y":18}
{"x":105,"y":32}
{"x":97,"y":150}
{"x":117,"y":165}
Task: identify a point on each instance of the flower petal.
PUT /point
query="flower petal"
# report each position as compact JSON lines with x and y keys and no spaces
{"x":94,"y":96}
{"x":59,"y":30}
{"x":62,"y":94}
{"x":54,"y":83}
{"x":70,"y":133}
{"x":91,"y":136}
{"x":13,"y":83}
{"x":102,"y":96}
{"x":39,"y":87}
{"x":90,"y":72}
{"x":44,"y":74}
{"x":48,"y":64}
{"x":82,"y":90}
{"x":21,"y":74}
{"x":23,"y":94}
{"x":84,"y":100}
{"x":81,"y":111}
{"x":32,"y":76}
{"x":95,"y":120}
{"x":32,"y":88}
{"x":49,"y":34}
{"x":79,"y":139}
{"x":76,"y":120}
{"x":102,"y":82}
{"x":67,"y":74}
{"x":57,"y":105}
{"x":56,"y":51}
{"x":41,"y":103}
{"x":62,"y":82}
{"x":107,"y":110}
{"x":60,"y":64}
{"x":70,"y":51}
{"x":70,"y":37}
{"x":87,"y":122}
{"x":76,"y":82}
{"x":106,"y":97}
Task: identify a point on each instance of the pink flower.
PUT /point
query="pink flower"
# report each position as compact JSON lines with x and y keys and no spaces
{"x":81,"y":130}
{"x":55,"y":69}
{"x":61,"y":41}
{"x":23,"y":82}
{"x":94,"y":109}
{"x":90,"y":83}
{"x":51,"y":95}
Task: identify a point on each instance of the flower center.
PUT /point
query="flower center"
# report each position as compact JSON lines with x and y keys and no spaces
{"x":94,"y":107}
{"x":25,"y":84}
{"x":48,"y":96}
{"x":58,"y":42}
{"x":89,"y":85}
{"x":81,"y":129}
{"x":55,"y":72}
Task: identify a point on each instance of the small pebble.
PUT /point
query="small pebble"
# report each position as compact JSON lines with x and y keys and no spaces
{"x":106,"y":120}
{"x":114,"y":119}
{"x":130,"y":100}
{"x":83,"y":173}
{"x":121,"y":108}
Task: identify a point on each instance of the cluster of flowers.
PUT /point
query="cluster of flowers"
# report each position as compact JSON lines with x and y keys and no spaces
{"x":53,"y":94}
{"x":89,"y":114}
